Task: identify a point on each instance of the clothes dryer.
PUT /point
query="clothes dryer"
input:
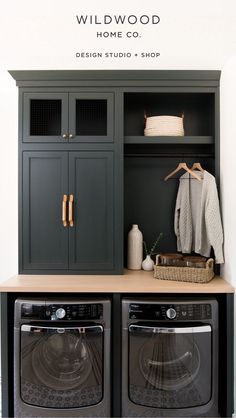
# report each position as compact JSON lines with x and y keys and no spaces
{"x":169,"y":358}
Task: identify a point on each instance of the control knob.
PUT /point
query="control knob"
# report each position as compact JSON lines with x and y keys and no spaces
{"x":60,"y":313}
{"x":171,"y":313}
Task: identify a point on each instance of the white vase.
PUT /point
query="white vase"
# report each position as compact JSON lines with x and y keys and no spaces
{"x":135,"y":248}
{"x":148,"y":263}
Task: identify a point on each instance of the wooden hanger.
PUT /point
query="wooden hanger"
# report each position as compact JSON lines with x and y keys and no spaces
{"x":197,"y":166}
{"x":184,"y":167}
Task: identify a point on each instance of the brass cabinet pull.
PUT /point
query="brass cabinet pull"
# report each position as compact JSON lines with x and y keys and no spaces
{"x":64,"y":220}
{"x":71,"y":199}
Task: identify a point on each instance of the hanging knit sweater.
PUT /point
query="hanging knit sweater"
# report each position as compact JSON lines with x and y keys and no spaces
{"x":198,"y":224}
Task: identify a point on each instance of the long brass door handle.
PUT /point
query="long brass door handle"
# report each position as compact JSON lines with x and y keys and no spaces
{"x":71,"y":199}
{"x":64,"y":201}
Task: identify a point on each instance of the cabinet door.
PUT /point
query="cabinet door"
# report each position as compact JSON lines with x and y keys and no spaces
{"x":45,"y":117}
{"x":91,"y":237}
{"x":45,"y":239}
{"x":91,"y":117}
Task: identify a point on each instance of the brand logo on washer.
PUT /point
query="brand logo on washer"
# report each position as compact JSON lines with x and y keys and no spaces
{"x":81,"y":330}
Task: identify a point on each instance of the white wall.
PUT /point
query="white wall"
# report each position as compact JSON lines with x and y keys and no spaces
{"x":45,"y":35}
{"x":228,"y":176}
{"x":8,"y":177}
{"x":228,"y":165}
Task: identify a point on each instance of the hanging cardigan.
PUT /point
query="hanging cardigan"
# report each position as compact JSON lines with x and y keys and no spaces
{"x":197,"y":216}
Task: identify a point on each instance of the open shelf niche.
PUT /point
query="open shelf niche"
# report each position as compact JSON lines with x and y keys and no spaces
{"x":149,"y":201}
{"x":198,"y":110}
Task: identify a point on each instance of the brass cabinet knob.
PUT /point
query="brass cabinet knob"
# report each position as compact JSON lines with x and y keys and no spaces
{"x":71,"y":136}
{"x":64,"y":136}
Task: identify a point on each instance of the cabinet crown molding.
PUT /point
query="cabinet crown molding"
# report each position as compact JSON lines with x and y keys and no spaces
{"x":114,"y":77}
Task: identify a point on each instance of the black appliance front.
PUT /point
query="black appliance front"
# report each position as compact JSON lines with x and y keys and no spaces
{"x":170,"y":358}
{"x":62,"y":358}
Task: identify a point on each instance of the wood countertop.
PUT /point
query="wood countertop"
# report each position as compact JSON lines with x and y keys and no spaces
{"x":131,"y":282}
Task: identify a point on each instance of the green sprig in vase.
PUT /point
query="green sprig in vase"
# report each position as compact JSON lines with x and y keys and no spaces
{"x":148,"y":263}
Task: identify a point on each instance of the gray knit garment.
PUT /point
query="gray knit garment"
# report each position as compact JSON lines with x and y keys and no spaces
{"x":197,"y":224}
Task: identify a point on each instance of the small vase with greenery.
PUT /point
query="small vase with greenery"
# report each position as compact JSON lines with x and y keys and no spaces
{"x":148,"y":263}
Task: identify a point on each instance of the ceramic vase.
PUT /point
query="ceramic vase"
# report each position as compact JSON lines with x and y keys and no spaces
{"x":148,"y":263}
{"x":135,"y":248}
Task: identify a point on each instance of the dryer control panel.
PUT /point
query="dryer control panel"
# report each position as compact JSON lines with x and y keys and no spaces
{"x":62,"y":311}
{"x":163,"y":312}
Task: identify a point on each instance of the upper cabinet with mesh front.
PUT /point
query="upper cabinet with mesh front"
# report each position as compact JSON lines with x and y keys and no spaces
{"x":67,"y":117}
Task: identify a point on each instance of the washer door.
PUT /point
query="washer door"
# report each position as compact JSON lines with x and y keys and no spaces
{"x":61,"y":367}
{"x":170,"y":367}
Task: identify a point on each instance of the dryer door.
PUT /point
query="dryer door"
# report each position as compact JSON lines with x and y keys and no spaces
{"x":61,"y":367}
{"x":170,"y":367}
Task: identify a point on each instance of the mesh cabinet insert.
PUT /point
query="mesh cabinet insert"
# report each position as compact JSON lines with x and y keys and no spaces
{"x":91,"y":117}
{"x":45,"y":117}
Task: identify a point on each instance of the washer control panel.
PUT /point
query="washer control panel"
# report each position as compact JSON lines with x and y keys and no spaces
{"x":65,"y":312}
{"x":181,"y":311}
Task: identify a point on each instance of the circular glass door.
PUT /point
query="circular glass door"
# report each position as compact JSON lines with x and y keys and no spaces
{"x":169,"y":367}
{"x":169,"y":363}
{"x":63,"y":360}
{"x":61,"y":367}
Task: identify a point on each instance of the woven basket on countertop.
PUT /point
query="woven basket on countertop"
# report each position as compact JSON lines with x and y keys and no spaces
{"x":185,"y":274}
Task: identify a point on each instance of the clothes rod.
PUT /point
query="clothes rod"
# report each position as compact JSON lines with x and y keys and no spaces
{"x":171,"y":155}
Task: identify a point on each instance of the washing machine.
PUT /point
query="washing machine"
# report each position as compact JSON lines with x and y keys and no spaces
{"x":170,"y":357}
{"x":62,"y":358}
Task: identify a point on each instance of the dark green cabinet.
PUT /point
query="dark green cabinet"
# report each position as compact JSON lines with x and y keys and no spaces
{"x":88,"y":126}
{"x":45,"y":240}
{"x":86,"y":243}
{"x":85,"y":117}
{"x":91,"y":238}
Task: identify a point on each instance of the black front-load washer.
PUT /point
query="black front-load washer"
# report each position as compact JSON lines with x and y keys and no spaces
{"x":62,"y":358}
{"x":169,"y":357}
